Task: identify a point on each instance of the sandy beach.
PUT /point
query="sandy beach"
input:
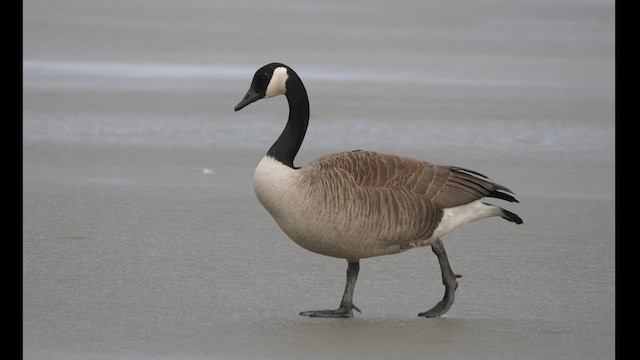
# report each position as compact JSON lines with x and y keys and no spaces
{"x":143,"y":239}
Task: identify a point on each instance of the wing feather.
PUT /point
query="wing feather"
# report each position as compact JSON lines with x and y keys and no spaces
{"x":447,"y":186}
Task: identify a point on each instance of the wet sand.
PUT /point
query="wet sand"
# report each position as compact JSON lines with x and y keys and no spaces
{"x":142,"y":237}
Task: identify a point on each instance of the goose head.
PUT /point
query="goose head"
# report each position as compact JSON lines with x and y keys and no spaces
{"x":269,"y":81}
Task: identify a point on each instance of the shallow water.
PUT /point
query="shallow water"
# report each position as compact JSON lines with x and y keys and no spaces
{"x":142,"y":237}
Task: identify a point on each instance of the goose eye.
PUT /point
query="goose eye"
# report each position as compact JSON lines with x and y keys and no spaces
{"x":265,"y":75}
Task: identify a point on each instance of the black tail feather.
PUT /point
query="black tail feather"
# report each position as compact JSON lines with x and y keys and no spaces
{"x":508,"y":215}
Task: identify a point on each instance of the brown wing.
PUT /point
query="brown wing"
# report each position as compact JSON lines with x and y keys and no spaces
{"x":445,"y":186}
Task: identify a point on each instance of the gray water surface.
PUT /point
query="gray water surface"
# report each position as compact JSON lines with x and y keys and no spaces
{"x":142,"y":237}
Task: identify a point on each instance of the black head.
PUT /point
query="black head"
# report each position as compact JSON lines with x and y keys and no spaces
{"x":270,"y":80}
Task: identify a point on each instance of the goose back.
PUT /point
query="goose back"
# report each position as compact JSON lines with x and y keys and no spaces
{"x":446,"y":186}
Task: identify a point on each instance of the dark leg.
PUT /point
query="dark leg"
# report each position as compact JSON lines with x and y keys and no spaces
{"x":448,"y":279}
{"x":346,"y":306}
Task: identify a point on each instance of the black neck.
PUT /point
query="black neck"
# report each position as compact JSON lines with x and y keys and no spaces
{"x":289,"y":142}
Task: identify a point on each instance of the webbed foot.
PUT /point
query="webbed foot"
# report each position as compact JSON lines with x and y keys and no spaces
{"x":341,"y":312}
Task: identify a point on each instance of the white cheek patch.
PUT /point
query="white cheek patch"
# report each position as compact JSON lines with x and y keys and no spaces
{"x":277,"y":85}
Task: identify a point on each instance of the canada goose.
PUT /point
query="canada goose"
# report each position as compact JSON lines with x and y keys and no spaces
{"x":360,"y":204}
